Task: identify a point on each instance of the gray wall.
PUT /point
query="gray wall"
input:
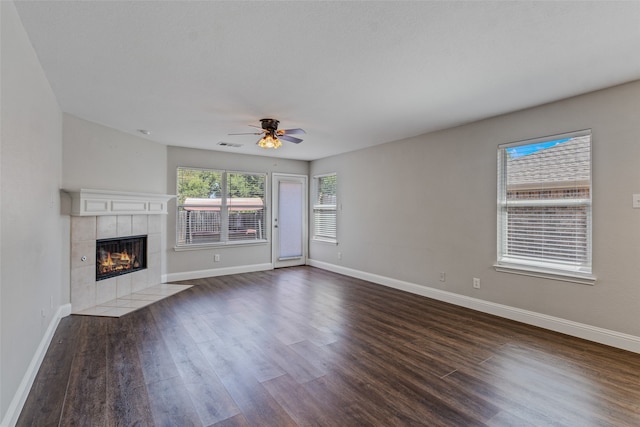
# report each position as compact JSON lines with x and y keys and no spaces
{"x":414,"y":208}
{"x":230,"y":256}
{"x":101,"y":158}
{"x":34,"y":236}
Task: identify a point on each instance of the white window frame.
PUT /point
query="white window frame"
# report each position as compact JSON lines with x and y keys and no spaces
{"x":319,"y":208}
{"x":224,"y":213}
{"x":532,"y":266}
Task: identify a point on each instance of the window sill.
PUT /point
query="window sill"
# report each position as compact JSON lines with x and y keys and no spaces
{"x":330,"y":241}
{"x":202,"y":246}
{"x":525,"y":270}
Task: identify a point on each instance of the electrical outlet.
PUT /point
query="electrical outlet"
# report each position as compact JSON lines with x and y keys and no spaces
{"x":216,"y":258}
{"x":339,"y":255}
{"x":636,"y":201}
{"x":443,"y":276}
{"x":476,"y":283}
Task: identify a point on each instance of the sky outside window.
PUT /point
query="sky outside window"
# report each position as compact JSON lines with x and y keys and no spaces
{"x":525,"y":150}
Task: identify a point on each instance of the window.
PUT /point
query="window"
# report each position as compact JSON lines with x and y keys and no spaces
{"x":544,"y":206}
{"x":324,"y":208}
{"x":216,"y":206}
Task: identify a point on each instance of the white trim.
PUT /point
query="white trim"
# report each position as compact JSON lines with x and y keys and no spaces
{"x":86,"y":202}
{"x":322,"y":175}
{"x":325,"y":240}
{"x":568,"y":327}
{"x":548,"y":138}
{"x":199,"y":274}
{"x":545,"y":202}
{"x":20,"y":397}
{"x":564,"y":276}
{"x":228,"y":243}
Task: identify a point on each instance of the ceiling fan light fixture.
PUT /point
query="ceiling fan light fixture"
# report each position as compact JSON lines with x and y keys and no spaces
{"x":269,"y":141}
{"x":272,"y":136}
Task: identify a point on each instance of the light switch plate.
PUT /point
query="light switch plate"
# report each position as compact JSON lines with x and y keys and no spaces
{"x":636,"y":201}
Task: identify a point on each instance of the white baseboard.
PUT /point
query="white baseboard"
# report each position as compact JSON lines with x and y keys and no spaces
{"x":189,"y":275}
{"x":568,"y":327}
{"x":20,"y":397}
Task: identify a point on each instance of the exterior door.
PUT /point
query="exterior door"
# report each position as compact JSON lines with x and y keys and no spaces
{"x":289,"y":223}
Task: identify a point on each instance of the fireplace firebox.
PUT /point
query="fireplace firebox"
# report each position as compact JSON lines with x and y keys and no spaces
{"x":115,"y":257}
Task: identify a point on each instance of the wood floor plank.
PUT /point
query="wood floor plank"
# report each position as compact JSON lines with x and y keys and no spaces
{"x":171,"y":404}
{"x":504,"y":418}
{"x":303,"y":347}
{"x":235,"y":421}
{"x":511,"y":396}
{"x":257,"y":405}
{"x":197,"y":328}
{"x":297,"y":367}
{"x":127,"y":399}
{"x":86,"y":397}
{"x":418,"y":379}
{"x":330,"y":391}
{"x":208,"y":395}
{"x":351,"y":392}
{"x":155,"y":359}
{"x":432,"y":363}
{"x":239,"y":377}
{"x":409,"y":393}
{"x":570,"y":386}
{"x":299,"y":403}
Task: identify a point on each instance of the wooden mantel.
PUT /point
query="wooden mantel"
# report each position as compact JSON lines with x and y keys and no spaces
{"x":85,"y":202}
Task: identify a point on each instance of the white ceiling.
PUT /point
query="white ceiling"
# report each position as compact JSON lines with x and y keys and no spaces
{"x":352,"y":74}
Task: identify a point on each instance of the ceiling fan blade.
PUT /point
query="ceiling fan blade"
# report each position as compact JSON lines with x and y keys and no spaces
{"x":290,"y":139}
{"x":291,"y":131}
{"x":246,"y":133}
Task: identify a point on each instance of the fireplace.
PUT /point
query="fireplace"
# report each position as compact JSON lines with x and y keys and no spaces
{"x":115,"y":257}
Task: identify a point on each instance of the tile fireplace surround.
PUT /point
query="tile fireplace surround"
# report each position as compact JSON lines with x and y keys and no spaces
{"x":118,"y":295}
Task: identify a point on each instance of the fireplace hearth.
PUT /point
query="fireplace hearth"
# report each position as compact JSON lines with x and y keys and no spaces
{"x":115,"y":257}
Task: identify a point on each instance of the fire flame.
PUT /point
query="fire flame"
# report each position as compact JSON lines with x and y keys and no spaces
{"x":122,"y":262}
{"x":107,"y":263}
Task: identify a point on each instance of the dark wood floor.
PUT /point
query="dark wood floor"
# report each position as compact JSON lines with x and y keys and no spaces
{"x":306,"y":347}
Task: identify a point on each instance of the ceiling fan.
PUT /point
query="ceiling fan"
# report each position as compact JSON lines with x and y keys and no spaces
{"x":273,"y":135}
